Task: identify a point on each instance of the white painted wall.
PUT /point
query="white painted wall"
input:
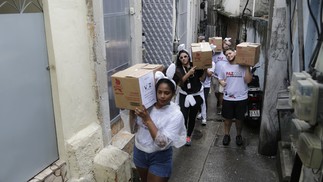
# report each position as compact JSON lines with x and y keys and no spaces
{"x":100,"y":70}
{"x":136,"y":32}
{"x":256,"y":7}
{"x":193,"y":22}
{"x":231,"y":6}
{"x":74,"y":89}
{"x":75,"y":102}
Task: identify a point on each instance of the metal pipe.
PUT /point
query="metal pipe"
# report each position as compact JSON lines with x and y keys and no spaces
{"x":253,"y":8}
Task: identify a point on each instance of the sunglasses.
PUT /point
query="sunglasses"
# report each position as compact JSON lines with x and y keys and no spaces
{"x":182,"y":57}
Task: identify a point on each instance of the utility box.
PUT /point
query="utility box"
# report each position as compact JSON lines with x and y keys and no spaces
{"x":309,"y":150}
{"x":217,"y":41}
{"x":135,"y":86}
{"x":247,"y":53}
{"x":201,"y":55}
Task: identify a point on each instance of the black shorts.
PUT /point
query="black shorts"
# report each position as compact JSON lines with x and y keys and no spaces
{"x":234,"y":109}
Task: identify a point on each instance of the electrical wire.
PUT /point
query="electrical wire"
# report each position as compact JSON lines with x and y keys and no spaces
{"x":314,"y":20}
{"x":290,"y":29}
{"x":176,"y":18}
{"x":320,"y":38}
{"x":238,"y":34}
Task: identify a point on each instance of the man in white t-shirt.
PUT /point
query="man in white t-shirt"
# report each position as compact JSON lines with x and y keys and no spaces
{"x":234,"y":78}
{"x":219,"y":59}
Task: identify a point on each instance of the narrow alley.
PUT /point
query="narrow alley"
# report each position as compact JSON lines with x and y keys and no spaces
{"x":73,"y":74}
{"x":207,"y":160}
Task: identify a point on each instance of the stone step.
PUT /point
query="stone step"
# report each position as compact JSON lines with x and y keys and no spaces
{"x":124,"y":141}
{"x":284,"y":160}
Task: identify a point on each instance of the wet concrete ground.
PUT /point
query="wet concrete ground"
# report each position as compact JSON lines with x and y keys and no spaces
{"x":207,"y":160}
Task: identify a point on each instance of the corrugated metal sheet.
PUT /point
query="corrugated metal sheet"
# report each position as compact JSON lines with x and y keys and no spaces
{"x":158,"y":26}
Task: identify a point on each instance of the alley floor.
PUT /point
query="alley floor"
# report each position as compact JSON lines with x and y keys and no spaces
{"x":207,"y":160}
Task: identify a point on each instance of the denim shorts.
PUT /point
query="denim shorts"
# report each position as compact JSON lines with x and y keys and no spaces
{"x":158,"y":163}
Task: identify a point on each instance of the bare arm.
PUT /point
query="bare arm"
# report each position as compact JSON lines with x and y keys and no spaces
{"x":248,"y":75}
{"x":143,"y":113}
{"x":209,"y":73}
{"x":202,"y":78}
{"x":188,"y":74}
{"x":223,"y":83}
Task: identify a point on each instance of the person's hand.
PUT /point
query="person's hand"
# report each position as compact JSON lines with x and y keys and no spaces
{"x":143,"y":113}
{"x":192,"y":71}
{"x":223,"y":83}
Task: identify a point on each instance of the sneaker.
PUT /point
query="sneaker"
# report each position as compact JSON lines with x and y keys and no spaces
{"x":203,"y":122}
{"x":226,"y":140}
{"x":188,"y":141}
{"x":199,"y":116}
{"x":239,"y":140}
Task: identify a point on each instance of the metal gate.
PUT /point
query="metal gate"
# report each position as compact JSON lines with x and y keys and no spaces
{"x":27,"y":128}
{"x":157,"y":23}
{"x":117,"y":40}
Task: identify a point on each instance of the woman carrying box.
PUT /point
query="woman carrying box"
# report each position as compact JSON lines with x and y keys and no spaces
{"x":191,"y":94}
{"x":159,"y":128}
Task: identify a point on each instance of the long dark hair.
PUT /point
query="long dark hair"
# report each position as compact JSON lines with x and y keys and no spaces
{"x":178,"y":61}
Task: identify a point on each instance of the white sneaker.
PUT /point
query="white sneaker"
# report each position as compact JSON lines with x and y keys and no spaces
{"x":203,"y":122}
{"x":199,"y":116}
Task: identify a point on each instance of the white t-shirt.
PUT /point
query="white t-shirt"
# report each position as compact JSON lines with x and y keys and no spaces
{"x":236,"y":88}
{"x":219,"y":59}
{"x":207,"y":81}
{"x":170,"y":123}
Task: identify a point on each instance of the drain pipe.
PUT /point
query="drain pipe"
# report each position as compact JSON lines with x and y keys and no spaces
{"x":253,"y":8}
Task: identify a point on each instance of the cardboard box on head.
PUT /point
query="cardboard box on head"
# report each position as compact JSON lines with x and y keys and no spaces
{"x":247,"y":53}
{"x":217,"y":41}
{"x":201,"y":55}
{"x":135,"y":86}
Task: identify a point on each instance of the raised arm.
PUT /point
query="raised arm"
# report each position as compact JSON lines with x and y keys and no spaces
{"x":248,"y":75}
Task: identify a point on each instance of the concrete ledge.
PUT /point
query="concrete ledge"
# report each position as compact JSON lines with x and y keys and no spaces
{"x":124,"y":141}
{"x":284,"y":161}
{"x":81,"y":150}
{"x":112,"y":164}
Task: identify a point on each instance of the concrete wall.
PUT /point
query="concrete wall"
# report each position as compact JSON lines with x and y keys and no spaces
{"x":254,"y":7}
{"x":136,"y":32}
{"x":275,"y":78}
{"x":76,"y":49}
{"x":232,"y":6}
{"x":309,"y":34}
{"x":193,"y":21}
{"x":257,"y":33}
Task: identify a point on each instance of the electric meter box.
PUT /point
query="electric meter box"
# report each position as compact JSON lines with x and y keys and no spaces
{"x":295,"y":77}
{"x":308,"y":95}
{"x":309,"y":150}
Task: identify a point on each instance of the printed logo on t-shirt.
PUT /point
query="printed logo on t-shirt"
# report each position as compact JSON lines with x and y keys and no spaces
{"x":230,"y":96}
{"x":233,"y":74}
{"x":220,"y":58}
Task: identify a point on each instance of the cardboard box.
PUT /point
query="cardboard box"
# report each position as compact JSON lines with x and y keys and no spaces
{"x":201,"y":55}
{"x":135,"y":86}
{"x":247,"y":53}
{"x":217,"y":41}
{"x":153,"y":67}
